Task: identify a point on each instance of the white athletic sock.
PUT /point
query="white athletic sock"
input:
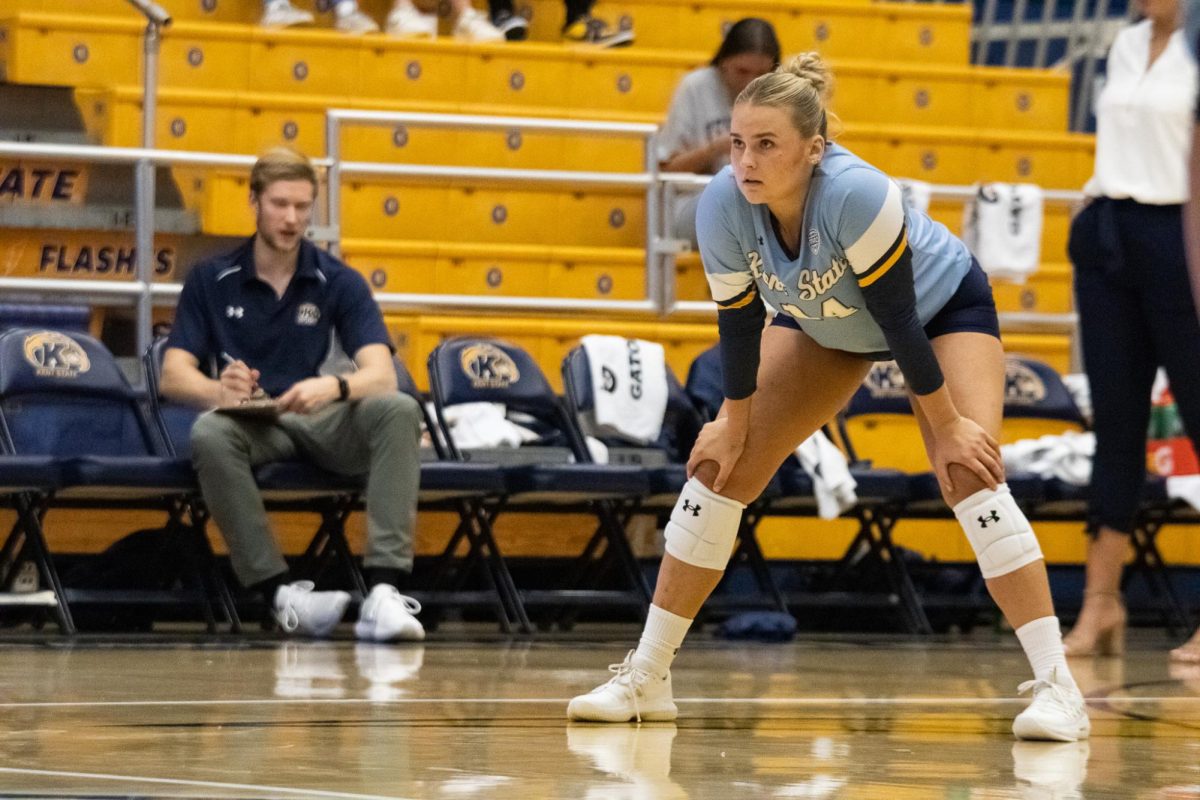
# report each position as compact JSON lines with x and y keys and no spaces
{"x":1042,"y":640}
{"x":661,"y":640}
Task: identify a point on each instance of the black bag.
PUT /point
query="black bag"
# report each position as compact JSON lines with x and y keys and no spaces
{"x":145,"y":560}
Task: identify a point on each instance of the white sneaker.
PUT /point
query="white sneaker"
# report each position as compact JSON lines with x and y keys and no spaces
{"x":354,"y":22}
{"x":298,"y":609}
{"x":474,"y":26}
{"x":1050,"y":771}
{"x":1057,"y":713}
{"x":405,"y":20}
{"x":632,"y":694}
{"x":282,"y":14}
{"x":387,"y":616}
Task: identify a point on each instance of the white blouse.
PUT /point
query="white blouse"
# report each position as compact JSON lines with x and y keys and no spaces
{"x":1144,"y":120}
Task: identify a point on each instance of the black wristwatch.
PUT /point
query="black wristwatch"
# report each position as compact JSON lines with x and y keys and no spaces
{"x":343,"y":388}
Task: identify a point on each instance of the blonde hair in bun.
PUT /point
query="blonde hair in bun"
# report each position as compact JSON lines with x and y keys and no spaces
{"x":802,"y":87}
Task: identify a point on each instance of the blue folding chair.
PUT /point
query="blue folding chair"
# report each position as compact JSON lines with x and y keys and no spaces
{"x":64,"y":400}
{"x":26,"y":483}
{"x":483,"y":370}
{"x":466,"y":489}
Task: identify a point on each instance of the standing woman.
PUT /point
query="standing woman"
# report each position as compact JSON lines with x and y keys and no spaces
{"x":1136,"y":311}
{"x":695,"y":137}
{"x":825,"y":237}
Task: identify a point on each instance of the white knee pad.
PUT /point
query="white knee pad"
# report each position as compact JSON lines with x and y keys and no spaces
{"x":998,"y":531}
{"x":703,"y":527}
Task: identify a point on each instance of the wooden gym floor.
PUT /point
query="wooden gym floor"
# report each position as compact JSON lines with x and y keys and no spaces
{"x":475,"y":716}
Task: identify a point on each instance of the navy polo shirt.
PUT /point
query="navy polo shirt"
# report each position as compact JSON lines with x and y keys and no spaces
{"x":225,"y":308}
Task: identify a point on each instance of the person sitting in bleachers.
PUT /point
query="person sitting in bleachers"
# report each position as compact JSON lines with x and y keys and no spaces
{"x":270,"y":311}
{"x":695,"y":137}
{"x":404,"y":20}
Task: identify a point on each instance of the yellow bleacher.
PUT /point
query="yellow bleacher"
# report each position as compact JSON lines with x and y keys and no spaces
{"x":335,"y":70}
{"x":905,"y":32}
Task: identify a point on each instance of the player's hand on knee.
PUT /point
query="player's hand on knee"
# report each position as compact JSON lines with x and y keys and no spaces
{"x":965,"y":443}
{"x":720,"y":443}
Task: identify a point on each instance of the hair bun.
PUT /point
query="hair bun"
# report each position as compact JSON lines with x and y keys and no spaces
{"x":812,"y":68}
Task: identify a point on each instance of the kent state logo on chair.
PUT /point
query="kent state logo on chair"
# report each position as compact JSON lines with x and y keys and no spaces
{"x":991,"y":517}
{"x":489,"y":367}
{"x":55,"y":355}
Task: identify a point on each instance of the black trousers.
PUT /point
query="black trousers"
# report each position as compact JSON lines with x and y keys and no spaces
{"x":1136,"y":314}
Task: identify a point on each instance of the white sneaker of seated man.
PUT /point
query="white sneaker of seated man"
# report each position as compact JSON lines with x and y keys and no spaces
{"x":631,"y":695}
{"x":1057,"y":713}
{"x":282,"y":14}
{"x":474,"y":26}
{"x":388,"y":616}
{"x":298,"y":609}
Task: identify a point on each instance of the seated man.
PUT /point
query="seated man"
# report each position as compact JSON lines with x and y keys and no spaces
{"x":268,"y":312}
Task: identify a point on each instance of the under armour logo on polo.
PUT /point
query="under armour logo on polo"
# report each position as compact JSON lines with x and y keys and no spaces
{"x":234,"y":312}
{"x":687,"y":506}
{"x":991,"y":517}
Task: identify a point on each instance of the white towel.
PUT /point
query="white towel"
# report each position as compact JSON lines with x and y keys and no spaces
{"x":1185,"y":488}
{"x":629,"y":386}
{"x":916,"y":194}
{"x":478,"y":425}
{"x":833,"y":485}
{"x":1003,"y":227}
{"x":1066,"y":456}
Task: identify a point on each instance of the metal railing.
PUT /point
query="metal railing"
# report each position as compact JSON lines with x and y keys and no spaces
{"x":1084,"y":37}
{"x":337,"y":119}
{"x":661,"y":189}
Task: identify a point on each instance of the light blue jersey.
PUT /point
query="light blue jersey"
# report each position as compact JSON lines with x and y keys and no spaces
{"x":855,"y":228}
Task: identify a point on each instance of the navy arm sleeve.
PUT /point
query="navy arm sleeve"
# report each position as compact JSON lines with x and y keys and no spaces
{"x":740,"y":309}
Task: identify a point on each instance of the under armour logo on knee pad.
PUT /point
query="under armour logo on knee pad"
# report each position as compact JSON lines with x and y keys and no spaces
{"x":991,"y":517}
{"x":687,"y":506}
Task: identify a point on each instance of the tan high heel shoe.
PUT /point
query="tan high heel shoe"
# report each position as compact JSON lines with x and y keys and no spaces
{"x":1189,"y":652}
{"x":1109,"y":640}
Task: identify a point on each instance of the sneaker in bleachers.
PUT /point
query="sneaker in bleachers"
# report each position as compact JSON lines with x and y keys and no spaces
{"x":594,"y":31}
{"x":474,"y":26}
{"x":514,"y":26}
{"x":348,"y":18}
{"x":282,"y":14}
{"x":407,"y":22}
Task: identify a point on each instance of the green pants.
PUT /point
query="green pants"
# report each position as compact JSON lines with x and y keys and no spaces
{"x":378,"y":437}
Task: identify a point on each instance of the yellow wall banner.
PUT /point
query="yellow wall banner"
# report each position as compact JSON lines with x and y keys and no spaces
{"x":34,"y":253}
{"x":42,"y":183}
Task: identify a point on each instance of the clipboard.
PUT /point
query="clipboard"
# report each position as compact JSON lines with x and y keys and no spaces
{"x":256,"y":408}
